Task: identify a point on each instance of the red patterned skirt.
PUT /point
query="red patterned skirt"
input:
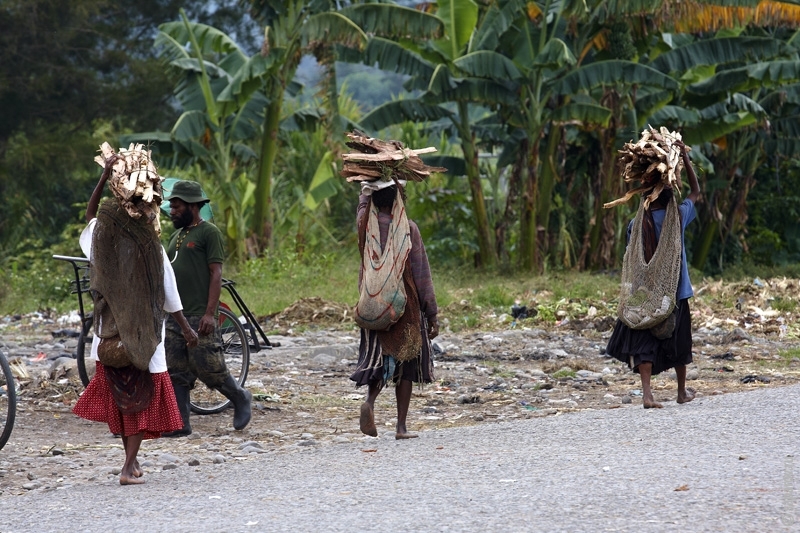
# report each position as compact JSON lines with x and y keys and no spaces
{"x":97,"y":404}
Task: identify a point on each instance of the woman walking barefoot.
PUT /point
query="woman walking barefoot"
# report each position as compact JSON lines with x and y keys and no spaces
{"x":377,"y":360}
{"x":135,"y":404}
{"x":644,"y":353}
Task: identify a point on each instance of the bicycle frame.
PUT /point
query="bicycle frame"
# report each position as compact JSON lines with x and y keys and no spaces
{"x":229,"y":285}
{"x":80,"y":286}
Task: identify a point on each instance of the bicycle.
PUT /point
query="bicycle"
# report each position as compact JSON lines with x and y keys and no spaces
{"x":238,"y":340}
{"x":8,"y":400}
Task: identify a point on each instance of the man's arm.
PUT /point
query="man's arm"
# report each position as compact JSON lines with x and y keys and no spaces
{"x":189,"y":334}
{"x":206,"y":326}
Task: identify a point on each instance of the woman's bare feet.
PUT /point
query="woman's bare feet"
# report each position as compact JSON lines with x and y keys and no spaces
{"x":687,"y":395}
{"x":130,"y":478}
{"x":401,"y":433}
{"x":367,"y":420}
{"x":137,"y":469}
{"x":649,"y":403}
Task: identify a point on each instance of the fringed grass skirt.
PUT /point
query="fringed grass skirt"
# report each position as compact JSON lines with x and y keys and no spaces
{"x":97,"y":404}
{"x":374,"y":367}
{"x":635,"y":346}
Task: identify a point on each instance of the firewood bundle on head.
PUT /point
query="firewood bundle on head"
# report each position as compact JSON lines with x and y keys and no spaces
{"x":134,"y":180}
{"x":655,"y":161}
{"x":376,"y":160}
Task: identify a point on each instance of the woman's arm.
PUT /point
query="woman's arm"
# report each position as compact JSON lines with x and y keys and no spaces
{"x":94,"y":201}
{"x":694,"y":186}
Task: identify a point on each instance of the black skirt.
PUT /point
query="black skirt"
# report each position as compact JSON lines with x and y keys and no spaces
{"x":636,"y":346}
{"x":373,"y":367}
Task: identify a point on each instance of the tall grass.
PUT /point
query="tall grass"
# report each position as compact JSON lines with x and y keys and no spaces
{"x":269,"y":285}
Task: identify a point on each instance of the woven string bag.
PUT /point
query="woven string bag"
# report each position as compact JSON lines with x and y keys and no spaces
{"x":649,"y":290}
{"x":382,"y":298}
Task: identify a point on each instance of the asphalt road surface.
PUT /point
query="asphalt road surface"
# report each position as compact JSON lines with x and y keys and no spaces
{"x":721,"y":463}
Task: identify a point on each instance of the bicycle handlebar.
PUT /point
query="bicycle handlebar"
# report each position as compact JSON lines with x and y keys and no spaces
{"x":71,"y":259}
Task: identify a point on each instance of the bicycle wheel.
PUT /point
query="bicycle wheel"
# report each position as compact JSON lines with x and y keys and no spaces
{"x":84,"y":351}
{"x":206,"y":401}
{"x":8,"y":401}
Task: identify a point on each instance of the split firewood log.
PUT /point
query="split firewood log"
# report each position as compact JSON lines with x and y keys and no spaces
{"x":374,"y":159}
{"x":134,"y":180}
{"x":655,"y":161}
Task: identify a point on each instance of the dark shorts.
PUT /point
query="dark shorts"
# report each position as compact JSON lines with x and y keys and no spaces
{"x":635,"y":346}
{"x":205,"y":361}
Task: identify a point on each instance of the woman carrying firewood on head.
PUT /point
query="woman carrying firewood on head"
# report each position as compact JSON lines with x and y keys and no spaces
{"x":654,"y":329}
{"x":132,"y":287}
{"x":397,"y":305}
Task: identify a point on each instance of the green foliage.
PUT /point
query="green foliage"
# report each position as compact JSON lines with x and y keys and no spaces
{"x":774,"y":216}
{"x":300,"y":208}
{"x":493,"y":296}
{"x":620,"y":42}
{"x":31,"y":279}
{"x":495,"y":83}
{"x":75,"y":73}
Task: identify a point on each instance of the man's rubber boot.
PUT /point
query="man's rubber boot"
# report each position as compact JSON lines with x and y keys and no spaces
{"x":241,"y":399}
{"x":182,"y":397}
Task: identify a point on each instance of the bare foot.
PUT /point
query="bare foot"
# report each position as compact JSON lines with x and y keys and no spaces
{"x":137,"y":470}
{"x":130,"y":479}
{"x":650,"y":403}
{"x":402,"y":436}
{"x":367,"y":420}
{"x":687,"y":396}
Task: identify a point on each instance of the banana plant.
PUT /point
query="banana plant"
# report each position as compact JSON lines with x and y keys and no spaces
{"x":292,"y":29}
{"x":455,"y":78}
{"x":296,"y":27}
{"x":739,"y":106}
{"x":222,"y":110}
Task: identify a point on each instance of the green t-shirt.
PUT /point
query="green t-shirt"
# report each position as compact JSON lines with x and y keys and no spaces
{"x":201,"y":246}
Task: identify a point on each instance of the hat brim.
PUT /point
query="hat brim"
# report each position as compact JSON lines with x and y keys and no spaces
{"x":168,"y":183}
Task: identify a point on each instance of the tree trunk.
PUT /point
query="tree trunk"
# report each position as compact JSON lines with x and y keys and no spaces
{"x":610,"y":186}
{"x":487,"y":257}
{"x":528,"y":259}
{"x":262,"y":217}
{"x":503,"y":225}
{"x":547,"y":183}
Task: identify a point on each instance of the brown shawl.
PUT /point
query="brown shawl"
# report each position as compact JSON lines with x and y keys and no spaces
{"x":127,"y":282}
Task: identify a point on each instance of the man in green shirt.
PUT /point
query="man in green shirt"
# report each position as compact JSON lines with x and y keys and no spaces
{"x":196,"y":251}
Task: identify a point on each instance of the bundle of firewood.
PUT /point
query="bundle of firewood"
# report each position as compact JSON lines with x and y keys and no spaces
{"x":655,"y":161}
{"x":380,"y":160}
{"x":133,"y":173}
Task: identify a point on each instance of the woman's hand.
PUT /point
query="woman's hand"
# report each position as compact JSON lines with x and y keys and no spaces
{"x":433,"y":327}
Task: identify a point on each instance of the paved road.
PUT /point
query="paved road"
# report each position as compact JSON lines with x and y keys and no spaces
{"x":736,"y":457}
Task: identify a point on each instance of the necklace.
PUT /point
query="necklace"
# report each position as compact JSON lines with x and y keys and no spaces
{"x":182,"y":236}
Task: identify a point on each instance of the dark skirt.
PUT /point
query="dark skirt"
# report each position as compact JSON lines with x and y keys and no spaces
{"x":636,"y":346}
{"x":372,"y":364}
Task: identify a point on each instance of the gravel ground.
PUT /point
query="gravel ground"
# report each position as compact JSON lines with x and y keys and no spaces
{"x":722,"y":463}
